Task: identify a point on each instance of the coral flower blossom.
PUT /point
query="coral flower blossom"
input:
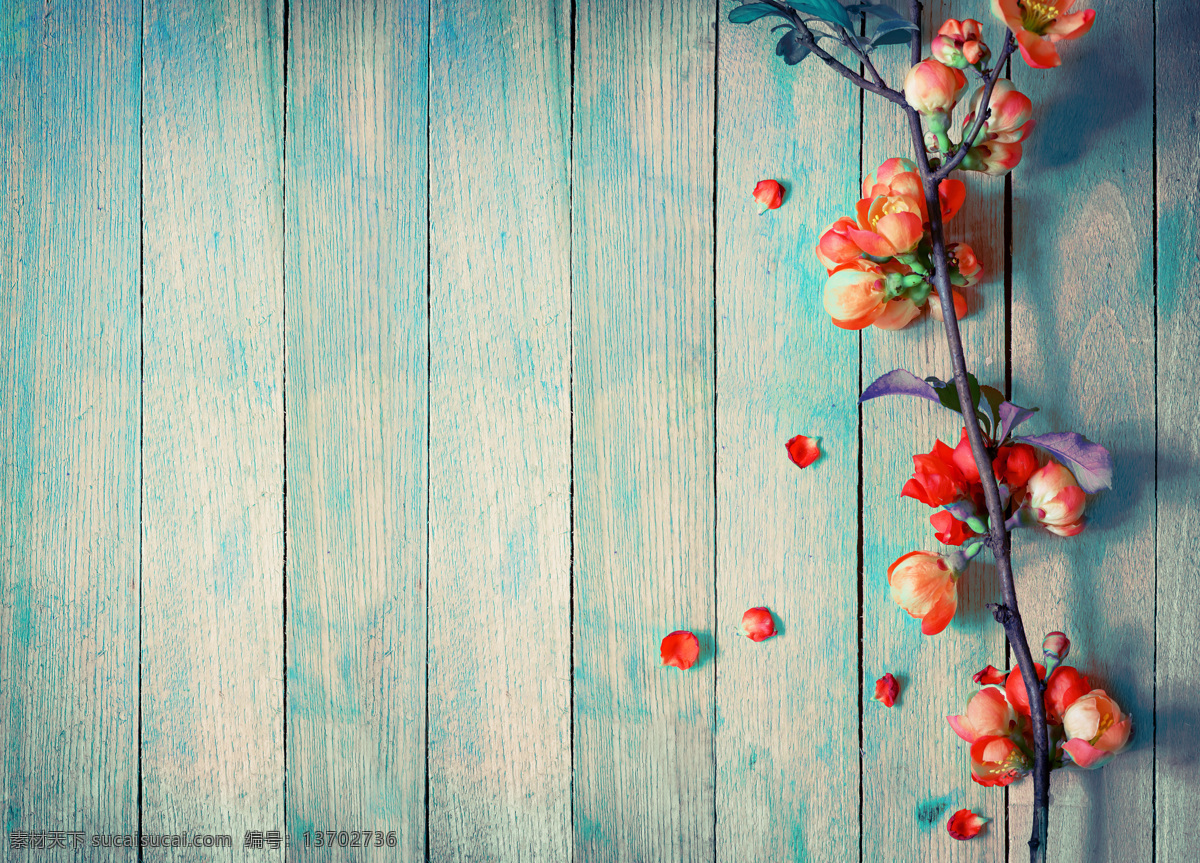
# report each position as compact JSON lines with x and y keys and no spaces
{"x":888,"y":225}
{"x":960,"y":305}
{"x":681,"y":649}
{"x":1064,"y":686}
{"x":965,"y":824}
{"x":1057,"y":500}
{"x":932,"y":87}
{"x":1096,"y":729}
{"x":960,"y":43}
{"x":758,"y":624}
{"x":899,"y":176}
{"x":1056,"y":646}
{"x":1038,"y":24}
{"x":925,"y":586}
{"x":994,"y":158}
{"x":835,"y":246}
{"x":1013,"y":465}
{"x":1011,"y":110}
{"x":855,"y":294}
{"x":997,"y":761}
{"x":898,"y":314}
{"x":936,"y":479}
{"x":887,"y":688}
{"x":988,"y":715}
{"x":769,"y":195}
{"x":948,"y":529}
{"x":961,"y":257}
{"x":802,"y":450}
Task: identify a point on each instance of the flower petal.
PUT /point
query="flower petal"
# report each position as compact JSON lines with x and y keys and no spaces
{"x":965,"y":824}
{"x":758,"y":624}
{"x":1086,"y":755}
{"x":1039,"y":53}
{"x":990,"y":676}
{"x":681,"y":649}
{"x":886,"y":690}
{"x":942,"y":613}
{"x":803,"y":451}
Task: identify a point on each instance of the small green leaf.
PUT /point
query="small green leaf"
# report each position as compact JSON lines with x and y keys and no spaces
{"x":826,"y":10}
{"x":791,"y":49}
{"x":879,"y":10}
{"x":899,"y":36}
{"x":993,"y":398}
{"x":948,"y":393}
{"x":752,"y":12}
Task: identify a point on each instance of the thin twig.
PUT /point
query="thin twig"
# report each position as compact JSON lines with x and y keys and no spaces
{"x":982,"y":113}
{"x":914,"y":8}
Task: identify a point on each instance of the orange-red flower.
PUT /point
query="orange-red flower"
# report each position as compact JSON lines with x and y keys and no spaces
{"x":961,"y":258}
{"x":948,"y":529}
{"x":925,"y":585}
{"x":1057,"y":500}
{"x":994,"y":158}
{"x":888,"y":225}
{"x":1015,"y":464}
{"x":835,"y":246}
{"x":1038,"y":24}
{"x":758,"y":624}
{"x":997,"y":761}
{"x":1064,"y":686}
{"x":936,"y":479}
{"x":960,"y":43}
{"x":769,"y":195}
{"x":803,"y":451}
{"x":898,"y":176}
{"x":1014,"y":688}
{"x":681,"y":649}
{"x":855,"y":294}
{"x":886,"y":690}
{"x":988,"y":715}
{"x":932,"y":87}
{"x":1096,"y":729}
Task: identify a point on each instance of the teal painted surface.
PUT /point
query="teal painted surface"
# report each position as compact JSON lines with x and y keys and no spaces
{"x":356,"y":438}
{"x":499,"y":437}
{"x":1083,"y":324}
{"x":69,"y":419}
{"x":787,"y":767}
{"x":1176,"y":769}
{"x":591,"y":333}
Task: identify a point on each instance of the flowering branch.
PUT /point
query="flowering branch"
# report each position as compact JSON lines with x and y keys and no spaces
{"x":968,"y":140}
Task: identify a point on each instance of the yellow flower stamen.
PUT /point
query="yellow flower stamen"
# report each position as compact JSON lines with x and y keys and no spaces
{"x":1037,"y":16}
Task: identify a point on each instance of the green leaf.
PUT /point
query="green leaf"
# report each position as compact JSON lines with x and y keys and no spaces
{"x":752,"y":12}
{"x":993,"y":398}
{"x":826,"y":10}
{"x":893,"y":32}
{"x":791,"y":49}
{"x":948,"y":393}
{"x":879,"y":10}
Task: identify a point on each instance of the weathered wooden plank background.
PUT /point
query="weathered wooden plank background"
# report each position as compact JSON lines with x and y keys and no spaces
{"x":380,"y":381}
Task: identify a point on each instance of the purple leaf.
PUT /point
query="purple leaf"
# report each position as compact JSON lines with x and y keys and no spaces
{"x":1090,"y":462}
{"x":1012,"y":416}
{"x":899,"y":383}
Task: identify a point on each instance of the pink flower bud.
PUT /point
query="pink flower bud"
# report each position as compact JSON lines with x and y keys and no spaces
{"x":933,"y":87}
{"x":1056,"y":646}
{"x":994,"y":158}
{"x":1011,"y":109}
{"x":769,"y":195}
{"x":962,"y":259}
{"x":960,"y":43}
{"x":1057,"y":500}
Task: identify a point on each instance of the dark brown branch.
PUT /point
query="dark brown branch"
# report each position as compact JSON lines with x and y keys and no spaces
{"x":981,"y":114}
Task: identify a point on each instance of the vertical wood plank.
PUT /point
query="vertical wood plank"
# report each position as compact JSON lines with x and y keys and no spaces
{"x":1177,"y":776}
{"x":500,"y":545}
{"x":69,"y":416}
{"x":1083,"y":350}
{"x":644,"y":440}
{"x":356,"y":407}
{"x":916,"y":772}
{"x":787,"y":708}
{"x":212,"y":702}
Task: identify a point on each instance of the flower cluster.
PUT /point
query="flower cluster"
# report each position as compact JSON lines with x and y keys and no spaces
{"x":923,"y":583}
{"x":879,"y":262}
{"x":1087,"y":727}
{"x":934,"y":85}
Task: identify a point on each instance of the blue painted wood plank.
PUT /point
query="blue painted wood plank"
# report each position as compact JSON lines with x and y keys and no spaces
{"x":500,"y":439}
{"x":356,"y":423}
{"x":644,"y":438}
{"x":1176,"y":770}
{"x":1083,"y":350}
{"x":787,"y":708}
{"x":69,"y":414}
{"x":212,"y":626}
{"x":916,"y":772}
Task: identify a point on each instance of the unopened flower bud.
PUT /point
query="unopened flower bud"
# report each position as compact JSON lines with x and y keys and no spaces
{"x":1055,"y":648}
{"x":933,"y":87}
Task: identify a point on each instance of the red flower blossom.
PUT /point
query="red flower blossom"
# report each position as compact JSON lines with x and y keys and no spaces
{"x":936,"y":479}
{"x":949,"y":529}
{"x":997,"y":761}
{"x":965,"y":824}
{"x":769,"y":195}
{"x":757,"y":624}
{"x":886,"y":690}
{"x":803,"y":451}
{"x":681,"y":649}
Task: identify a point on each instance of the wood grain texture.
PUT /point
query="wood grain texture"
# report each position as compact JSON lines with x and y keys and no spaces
{"x":69,"y":414}
{"x":916,"y":771}
{"x":356,"y":417}
{"x":212,"y":650}
{"x":644,"y":438}
{"x":500,"y":442}
{"x":1083,"y":350}
{"x":1177,"y":775}
{"x":787,"y":708}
